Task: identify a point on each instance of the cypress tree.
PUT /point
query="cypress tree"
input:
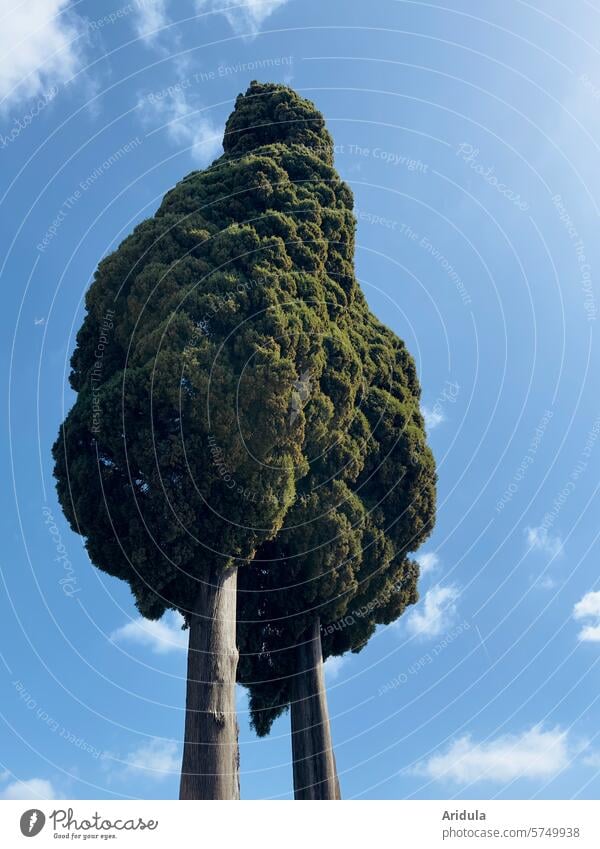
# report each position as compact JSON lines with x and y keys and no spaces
{"x":340,"y":564}
{"x":238,"y":408}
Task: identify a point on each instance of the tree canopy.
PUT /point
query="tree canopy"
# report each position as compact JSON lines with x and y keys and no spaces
{"x":247,"y":408}
{"x":366,"y":498}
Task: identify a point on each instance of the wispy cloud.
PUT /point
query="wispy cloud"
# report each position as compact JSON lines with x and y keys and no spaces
{"x":33,"y":788}
{"x":589,"y":608}
{"x":155,"y":759}
{"x":39,"y":48}
{"x":161,"y":637}
{"x":593,"y":760}
{"x":538,"y":539}
{"x":243,"y":18}
{"x":150,"y":16}
{"x":533,"y":754}
{"x":185,"y":125}
{"x":435,"y":613}
{"x":333,"y":666}
{"x":433,"y":417}
{"x":428,"y":561}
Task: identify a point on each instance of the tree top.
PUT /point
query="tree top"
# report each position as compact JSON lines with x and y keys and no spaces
{"x":269,"y":113}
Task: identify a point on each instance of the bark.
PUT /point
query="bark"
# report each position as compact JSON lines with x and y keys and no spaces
{"x":315,"y":774}
{"x":210,"y":768}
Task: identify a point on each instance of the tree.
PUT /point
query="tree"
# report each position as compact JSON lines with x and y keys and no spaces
{"x":339,"y":565}
{"x":337,"y":568}
{"x":218,"y":376}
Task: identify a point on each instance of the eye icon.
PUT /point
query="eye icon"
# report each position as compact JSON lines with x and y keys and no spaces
{"x":32,"y":822}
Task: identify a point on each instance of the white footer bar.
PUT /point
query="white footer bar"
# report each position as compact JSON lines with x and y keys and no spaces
{"x":289,"y":825}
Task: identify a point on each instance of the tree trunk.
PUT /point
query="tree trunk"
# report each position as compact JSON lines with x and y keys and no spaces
{"x":315,"y":774}
{"x":210,"y":768}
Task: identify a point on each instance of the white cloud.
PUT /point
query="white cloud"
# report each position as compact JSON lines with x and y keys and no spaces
{"x":33,"y":788}
{"x":244,"y":18}
{"x":534,"y":754}
{"x":433,"y":416}
{"x":185,"y":126}
{"x":156,"y":759}
{"x":546,"y":582}
{"x":162,"y":636}
{"x":589,"y":608}
{"x":38,"y":48}
{"x":333,"y":666}
{"x":593,"y":760}
{"x":435,"y":613}
{"x":539,"y":539}
{"x":428,"y":561}
{"x":151,"y":16}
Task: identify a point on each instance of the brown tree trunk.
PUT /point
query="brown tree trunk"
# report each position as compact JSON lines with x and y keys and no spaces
{"x":210,"y":768}
{"x":315,"y":774}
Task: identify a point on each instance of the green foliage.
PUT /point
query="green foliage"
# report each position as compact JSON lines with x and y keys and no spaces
{"x":250,"y":409}
{"x":342,"y":552}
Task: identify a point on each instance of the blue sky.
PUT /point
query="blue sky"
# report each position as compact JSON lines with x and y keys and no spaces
{"x":470,"y":141}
